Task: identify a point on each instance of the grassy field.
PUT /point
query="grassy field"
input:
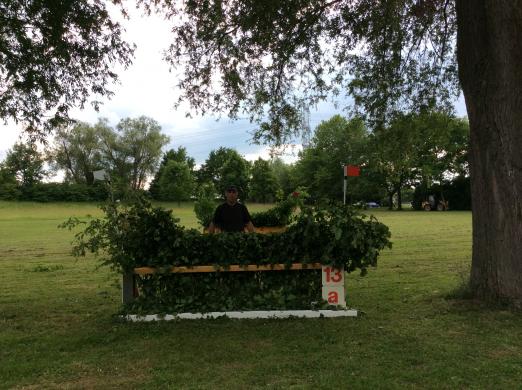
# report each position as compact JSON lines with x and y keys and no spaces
{"x":58,"y":330}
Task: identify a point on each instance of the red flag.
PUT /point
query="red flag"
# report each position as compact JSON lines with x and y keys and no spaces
{"x":352,"y":170}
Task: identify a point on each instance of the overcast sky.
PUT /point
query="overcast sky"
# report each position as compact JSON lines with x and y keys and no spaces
{"x":148,"y":88}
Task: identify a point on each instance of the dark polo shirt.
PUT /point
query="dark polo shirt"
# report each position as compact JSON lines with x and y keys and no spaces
{"x":231,"y":218}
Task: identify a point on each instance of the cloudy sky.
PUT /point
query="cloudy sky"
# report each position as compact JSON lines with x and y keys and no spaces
{"x":148,"y":88}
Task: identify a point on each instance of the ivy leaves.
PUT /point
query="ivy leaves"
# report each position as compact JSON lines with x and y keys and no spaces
{"x":143,"y":235}
{"x":281,"y":214}
{"x":223,"y":291}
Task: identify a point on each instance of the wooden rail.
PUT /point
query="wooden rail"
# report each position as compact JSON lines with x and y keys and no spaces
{"x":231,"y":268}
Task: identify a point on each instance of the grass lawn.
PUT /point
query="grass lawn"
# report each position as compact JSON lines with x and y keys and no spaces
{"x":57,"y":328}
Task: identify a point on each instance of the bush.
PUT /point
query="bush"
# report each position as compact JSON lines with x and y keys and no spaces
{"x":10,"y":191}
{"x":55,"y":192}
{"x":281,"y":214}
{"x":205,"y":205}
{"x":227,"y":291}
{"x":277,"y":216}
{"x":142,"y":235}
{"x":67,"y":192}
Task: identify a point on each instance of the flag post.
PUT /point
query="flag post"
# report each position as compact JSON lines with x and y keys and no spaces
{"x":349,"y":170}
{"x":344,"y":184}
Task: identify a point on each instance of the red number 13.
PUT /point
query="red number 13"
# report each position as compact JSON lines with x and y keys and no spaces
{"x":333,"y":275}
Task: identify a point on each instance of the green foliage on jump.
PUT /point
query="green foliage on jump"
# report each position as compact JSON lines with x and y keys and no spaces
{"x":281,"y":213}
{"x":142,"y":235}
{"x":205,"y":205}
{"x":227,"y":291}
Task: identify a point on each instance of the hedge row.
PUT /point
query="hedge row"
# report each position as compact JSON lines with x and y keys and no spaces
{"x":279,"y":215}
{"x":142,"y":235}
{"x":54,"y":192}
{"x":232,"y":291}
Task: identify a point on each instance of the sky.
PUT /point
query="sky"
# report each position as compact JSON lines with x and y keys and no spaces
{"x":148,"y":88}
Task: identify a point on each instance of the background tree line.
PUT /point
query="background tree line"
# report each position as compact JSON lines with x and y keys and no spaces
{"x":128,"y":153}
{"x":415,"y":150}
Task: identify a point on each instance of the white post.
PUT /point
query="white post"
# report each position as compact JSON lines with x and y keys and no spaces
{"x":333,"y":285}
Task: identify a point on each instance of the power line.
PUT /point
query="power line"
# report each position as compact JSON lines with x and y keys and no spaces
{"x":209,"y":133}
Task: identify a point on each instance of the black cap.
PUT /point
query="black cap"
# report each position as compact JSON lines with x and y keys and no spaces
{"x":231,"y":188}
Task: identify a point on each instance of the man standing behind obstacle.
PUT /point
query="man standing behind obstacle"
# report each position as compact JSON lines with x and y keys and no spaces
{"x":231,"y":216}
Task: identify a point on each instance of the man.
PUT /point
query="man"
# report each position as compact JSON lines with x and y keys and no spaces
{"x":231,"y":216}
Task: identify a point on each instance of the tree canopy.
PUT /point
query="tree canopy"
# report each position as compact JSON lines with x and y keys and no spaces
{"x":180,"y":156}
{"x":55,"y":55}
{"x":418,"y":148}
{"x":235,"y":171}
{"x":25,"y":164}
{"x":211,"y":170}
{"x":77,"y":150}
{"x":336,"y":141}
{"x":263,"y":183}
{"x":176,"y":181}
{"x":130,"y":153}
{"x":266,"y":58}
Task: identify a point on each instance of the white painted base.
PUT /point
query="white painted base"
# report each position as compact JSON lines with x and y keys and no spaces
{"x":244,"y":314}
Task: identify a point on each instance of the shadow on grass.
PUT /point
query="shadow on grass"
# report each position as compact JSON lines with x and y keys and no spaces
{"x":463,"y":289}
{"x":463,"y":296}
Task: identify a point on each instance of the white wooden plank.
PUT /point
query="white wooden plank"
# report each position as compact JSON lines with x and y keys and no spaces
{"x":261,"y":314}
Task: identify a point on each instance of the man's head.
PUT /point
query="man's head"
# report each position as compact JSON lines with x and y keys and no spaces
{"x":231,"y":194}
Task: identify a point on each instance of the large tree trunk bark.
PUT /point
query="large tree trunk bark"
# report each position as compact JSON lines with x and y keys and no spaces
{"x":490,"y":69}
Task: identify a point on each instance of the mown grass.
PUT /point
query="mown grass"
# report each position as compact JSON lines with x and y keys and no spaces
{"x":57,"y":328}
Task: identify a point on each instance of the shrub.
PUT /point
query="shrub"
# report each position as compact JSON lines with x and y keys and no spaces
{"x":142,"y":235}
{"x":205,"y":205}
{"x":281,"y":214}
{"x":55,"y":192}
{"x":10,"y":191}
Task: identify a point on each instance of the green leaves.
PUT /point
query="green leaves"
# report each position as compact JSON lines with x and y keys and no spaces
{"x":280,"y":215}
{"x":54,"y":56}
{"x":222,"y":291}
{"x":204,"y":207}
{"x":267,"y":59}
{"x":142,"y":235}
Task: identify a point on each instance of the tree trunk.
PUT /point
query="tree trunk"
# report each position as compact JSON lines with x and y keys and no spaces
{"x":489,"y":44}
{"x":399,"y":197}
{"x":89,"y":177}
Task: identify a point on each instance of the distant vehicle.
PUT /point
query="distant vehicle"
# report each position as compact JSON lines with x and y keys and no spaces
{"x":372,"y":205}
{"x":435,"y":203}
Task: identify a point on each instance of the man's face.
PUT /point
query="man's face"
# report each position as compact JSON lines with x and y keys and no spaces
{"x":231,"y":195}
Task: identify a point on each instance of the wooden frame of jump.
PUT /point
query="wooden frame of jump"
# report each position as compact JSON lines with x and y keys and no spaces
{"x":129,"y":290}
